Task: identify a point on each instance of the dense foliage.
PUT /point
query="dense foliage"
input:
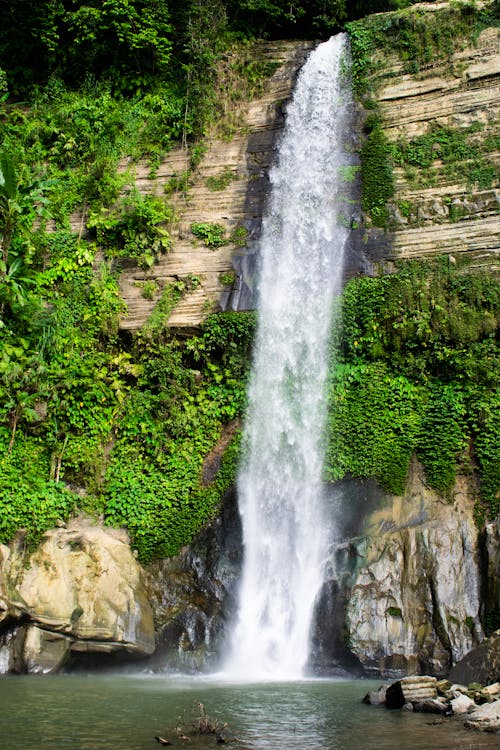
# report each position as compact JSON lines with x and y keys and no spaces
{"x":418,"y":371}
{"x":121,"y":426}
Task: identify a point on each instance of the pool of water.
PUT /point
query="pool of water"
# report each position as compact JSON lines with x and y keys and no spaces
{"x":87,"y":712}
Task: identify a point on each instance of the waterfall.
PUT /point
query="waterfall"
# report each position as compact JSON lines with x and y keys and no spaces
{"x":286,"y":531}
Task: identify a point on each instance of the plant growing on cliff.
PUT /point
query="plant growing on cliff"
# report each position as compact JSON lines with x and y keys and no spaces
{"x":135,"y":229}
{"x":417,"y":373}
{"x":376,"y":173}
{"x":213,"y":235}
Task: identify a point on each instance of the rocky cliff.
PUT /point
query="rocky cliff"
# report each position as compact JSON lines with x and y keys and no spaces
{"x":438,"y":207}
{"x":443,"y":207}
{"x":228,"y":187}
{"x":81,"y":590}
{"x":405,"y":593}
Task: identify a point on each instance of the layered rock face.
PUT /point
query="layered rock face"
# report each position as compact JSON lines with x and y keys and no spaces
{"x":435,"y":209}
{"x":240,"y":165}
{"x":80,"y":591}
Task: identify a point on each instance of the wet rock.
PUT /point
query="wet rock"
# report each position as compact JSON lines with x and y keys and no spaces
{"x":461,"y":704}
{"x":415,"y":586}
{"x":432,"y":706}
{"x":376,"y":697}
{"x":486,"y":718}
{"x":81,"y":590}
{"x":481,"y":664}
{"x":45,"y":651}
{"x":411,"y":690}
{"x":193,"y":595}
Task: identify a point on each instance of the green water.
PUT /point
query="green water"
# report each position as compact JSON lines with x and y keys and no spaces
{"x":83,"y":712}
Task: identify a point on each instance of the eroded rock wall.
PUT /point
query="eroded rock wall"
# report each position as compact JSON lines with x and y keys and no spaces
{"x":446,"y":214}
{"x":80,"y":591}
{"x":244,"y":159}
{"x":415,"y":600}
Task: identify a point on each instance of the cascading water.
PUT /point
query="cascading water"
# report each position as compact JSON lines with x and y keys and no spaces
{"x":285,"y":527}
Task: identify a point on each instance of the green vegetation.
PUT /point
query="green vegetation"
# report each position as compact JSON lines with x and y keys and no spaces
{"x":418,"y":373}
{"x":128,"y":426}
{"x":394,"y":612}
{"x":376,"y":173}
{"x":119,"y":425}
{"x":464,"y":157}
{"x":134,"y":228}
{"x":221,"y":181}
{"x":213,"y":235}
{"x":418,"y":37}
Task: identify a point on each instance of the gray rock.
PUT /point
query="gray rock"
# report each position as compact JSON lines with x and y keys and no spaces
{"x":481,"y":664}
{"x":486,"y":718}
{"x":411,"y":690}
{"x":81,"y":589}
{"x":432,"y":706}
{"x":376,"y":697}
{"x":462,"y":704}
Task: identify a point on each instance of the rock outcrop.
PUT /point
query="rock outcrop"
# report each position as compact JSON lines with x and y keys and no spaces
{"x":238,"y":203}
{"x":415,"y":601}
{"x":482,"y":664}
{"x":407,"y":582}
{"x":448,"y":213}
{"x":403,"y":596}
{"x":425,"y":695}
{"x":194,"y":595}
{"x":81,"y":590}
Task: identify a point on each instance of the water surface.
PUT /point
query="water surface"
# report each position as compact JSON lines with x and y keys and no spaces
{"x":87,"y":712}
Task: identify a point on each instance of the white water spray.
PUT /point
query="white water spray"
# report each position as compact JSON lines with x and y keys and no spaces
{"x":285,"y":527}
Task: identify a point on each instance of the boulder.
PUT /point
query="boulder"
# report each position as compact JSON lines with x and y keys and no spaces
{"x":411,"y":690}
{"x":485,"y":718}
{"x":376,"y":697}
{"x":481,"y":664}
{"x":432,"y":706}
{"x":490,"y":693}
{"x":462,"y":704}
{"x":81,"y":589}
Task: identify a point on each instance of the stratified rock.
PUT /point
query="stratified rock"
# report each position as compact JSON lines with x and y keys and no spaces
{"x":485,"y":718}
{"x":411,"y":690}
{"x":82,"y":589}
{"x":481,"y":664}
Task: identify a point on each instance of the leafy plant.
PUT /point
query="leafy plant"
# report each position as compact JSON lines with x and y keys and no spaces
{"x":213,"y":235}
{"x":221,"y":181}
{"x":136,"y":229}
{"x":376,"y":175}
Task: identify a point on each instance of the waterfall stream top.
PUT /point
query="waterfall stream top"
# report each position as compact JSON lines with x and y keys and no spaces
{"x":285,"y":528}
